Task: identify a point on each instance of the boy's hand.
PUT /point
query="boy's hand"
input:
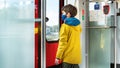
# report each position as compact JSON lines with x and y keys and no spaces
{"x":57,"y":61}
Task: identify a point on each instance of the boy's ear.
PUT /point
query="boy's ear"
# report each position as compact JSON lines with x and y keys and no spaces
{"x":68,"y":14}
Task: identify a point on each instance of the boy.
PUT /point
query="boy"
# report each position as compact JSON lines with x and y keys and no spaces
{"x":69,"y":48}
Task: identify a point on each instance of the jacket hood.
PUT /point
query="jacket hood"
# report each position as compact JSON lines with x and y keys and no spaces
{"x":72,"y":21}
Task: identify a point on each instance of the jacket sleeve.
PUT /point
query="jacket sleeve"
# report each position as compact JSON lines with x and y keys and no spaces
{"x":62,"y":41}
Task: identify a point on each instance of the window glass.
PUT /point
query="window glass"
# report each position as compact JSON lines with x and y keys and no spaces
{"x":69,"y":2}
{"x":52,"y":26}
{"x":17,"y":34}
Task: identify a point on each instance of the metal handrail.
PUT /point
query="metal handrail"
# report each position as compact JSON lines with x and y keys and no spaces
{"x":100,"y":27}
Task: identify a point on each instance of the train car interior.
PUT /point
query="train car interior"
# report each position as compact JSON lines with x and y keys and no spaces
{"x":29,"y":32}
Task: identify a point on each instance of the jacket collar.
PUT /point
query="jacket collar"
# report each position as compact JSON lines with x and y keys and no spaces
{"x":72,"y":21}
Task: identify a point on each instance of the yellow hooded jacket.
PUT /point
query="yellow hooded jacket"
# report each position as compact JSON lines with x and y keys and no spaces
{"x":69,"y":48}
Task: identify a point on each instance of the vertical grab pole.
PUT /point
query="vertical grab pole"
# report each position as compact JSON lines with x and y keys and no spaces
{"x":115,"y":36}
{"x":87,"y":31}
{"x":43,"y":34}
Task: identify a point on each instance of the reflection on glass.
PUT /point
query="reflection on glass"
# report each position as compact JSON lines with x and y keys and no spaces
{"x":52,"y":26}
{"x":99,"y":48}
{"x":16,"y":34}
{"x":118,"y":40}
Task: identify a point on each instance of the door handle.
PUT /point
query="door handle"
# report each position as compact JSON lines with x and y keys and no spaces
{"x":39,"y":19}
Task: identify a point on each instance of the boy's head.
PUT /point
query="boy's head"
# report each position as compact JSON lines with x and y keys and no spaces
{"x":69,"y":10}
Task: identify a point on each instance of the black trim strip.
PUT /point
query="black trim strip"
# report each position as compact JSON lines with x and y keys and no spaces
{"x":112,"y":65}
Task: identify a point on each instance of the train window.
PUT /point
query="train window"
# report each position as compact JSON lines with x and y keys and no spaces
{"x":69,"y":2}
{"x":52,"y":26}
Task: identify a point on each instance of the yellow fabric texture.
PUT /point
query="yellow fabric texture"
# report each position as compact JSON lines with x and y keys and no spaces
{"x":69,"y":48}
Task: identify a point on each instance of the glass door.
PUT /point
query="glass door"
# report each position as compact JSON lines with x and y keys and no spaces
{"x":100,"y":33}
{"x":16,"y":33}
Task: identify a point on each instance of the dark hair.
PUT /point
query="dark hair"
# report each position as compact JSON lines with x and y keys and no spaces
{"x":70,"y":9}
